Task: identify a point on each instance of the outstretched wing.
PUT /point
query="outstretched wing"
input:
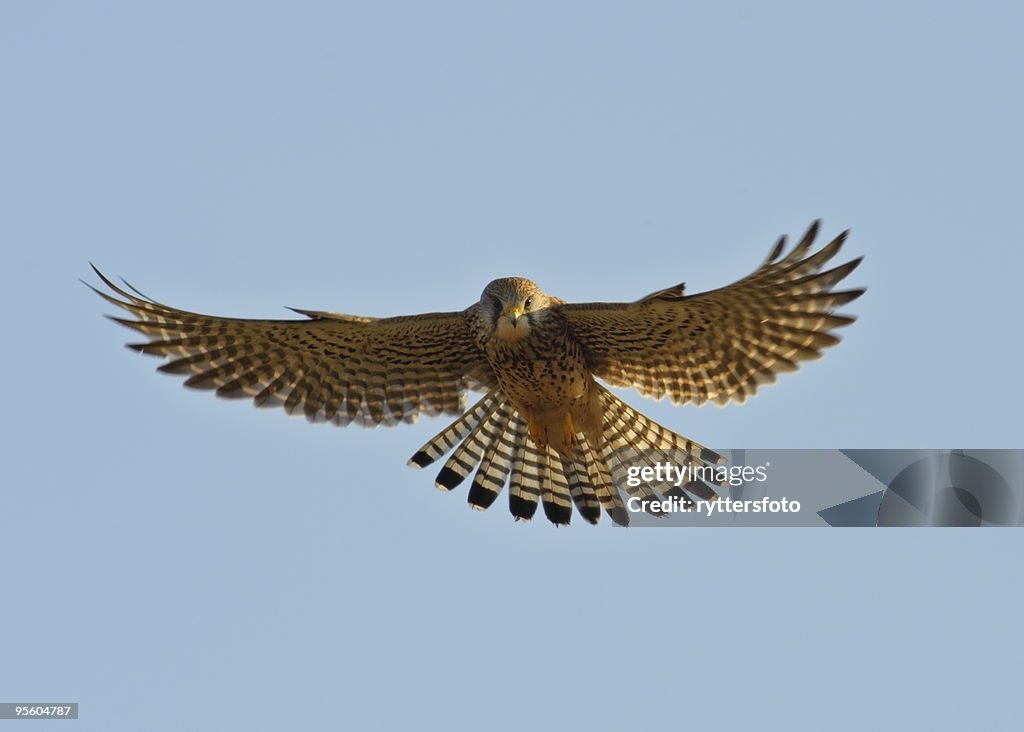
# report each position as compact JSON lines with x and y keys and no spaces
{"x":723,"y":344}
{"x":331,"y":367}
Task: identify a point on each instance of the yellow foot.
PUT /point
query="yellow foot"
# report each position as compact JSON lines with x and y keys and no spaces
{"x":538,"y":435}
{"x":568,"y":433}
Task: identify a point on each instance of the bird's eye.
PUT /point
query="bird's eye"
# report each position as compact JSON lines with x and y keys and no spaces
{"x":528,"y":303}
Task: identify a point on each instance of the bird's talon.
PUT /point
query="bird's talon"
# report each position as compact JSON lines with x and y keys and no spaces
{"x":538,"y":436}
{"x":568,"y":432}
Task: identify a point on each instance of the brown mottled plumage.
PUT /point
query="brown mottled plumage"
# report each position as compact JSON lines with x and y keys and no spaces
{"x":545,"y":426}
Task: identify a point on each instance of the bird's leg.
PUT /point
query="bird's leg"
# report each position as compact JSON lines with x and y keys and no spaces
{"x":538,"y":434}
{"x":568,"y":433}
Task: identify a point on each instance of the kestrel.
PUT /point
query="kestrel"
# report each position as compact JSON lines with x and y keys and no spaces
{"x":545,"y":426}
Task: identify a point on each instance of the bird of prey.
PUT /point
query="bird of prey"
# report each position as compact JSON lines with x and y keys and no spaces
{"x":545,"y":426}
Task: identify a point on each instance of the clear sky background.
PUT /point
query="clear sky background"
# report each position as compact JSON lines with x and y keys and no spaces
{"x":172,"y":561}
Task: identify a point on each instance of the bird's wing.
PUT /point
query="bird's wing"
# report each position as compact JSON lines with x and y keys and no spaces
{"x":723,"y":344}
{"x":330,"y":367}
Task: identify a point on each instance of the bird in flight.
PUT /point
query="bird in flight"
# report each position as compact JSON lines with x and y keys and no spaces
{"x":545,"y":426}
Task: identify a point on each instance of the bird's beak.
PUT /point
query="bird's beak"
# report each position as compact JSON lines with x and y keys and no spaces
{"x":513,"y":313}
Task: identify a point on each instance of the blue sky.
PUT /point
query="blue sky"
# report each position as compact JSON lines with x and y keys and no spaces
{"x":173,"y":561}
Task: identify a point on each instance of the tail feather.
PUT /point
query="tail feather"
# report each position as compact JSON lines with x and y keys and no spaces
{"x":492,"y":439}
{"x":639,"y":432}
{"x":603,"y":483}
{"x":615,"y":455}
{"x":451,"y":435}
{"x":493,"y":472}
{"x":630,"y":435}
{"x":471,"y":452}
{"x":695,"y":487}
{"x":555,"y":494}
{"x":527,"y":478}
{"x":582,"y":490}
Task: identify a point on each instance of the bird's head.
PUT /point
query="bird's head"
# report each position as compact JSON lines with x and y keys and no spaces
{"x":509,"y":307}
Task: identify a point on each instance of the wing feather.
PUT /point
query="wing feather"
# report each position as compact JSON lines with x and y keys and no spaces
{"x":329,"y":367}
{"x":723,"y":344}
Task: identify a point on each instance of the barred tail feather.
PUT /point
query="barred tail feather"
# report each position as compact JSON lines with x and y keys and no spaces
{"x":493,"y":472}
{"x":639,"y":432}
{"x":555,"y":494}
{"x":582,"y":490}
{"x":629,"y":435}
{"x":451,"y":435}
{"x":492,"y":439}
{"x":527,"y":478}
{"x":604,"y":485}
{"x":619,"y":462}
{"x":471,"y":452}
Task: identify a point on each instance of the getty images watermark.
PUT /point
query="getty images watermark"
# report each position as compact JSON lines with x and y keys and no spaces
{"x":676,"y":482}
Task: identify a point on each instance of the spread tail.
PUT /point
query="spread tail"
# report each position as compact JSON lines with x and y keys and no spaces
{"x":491,"y":438}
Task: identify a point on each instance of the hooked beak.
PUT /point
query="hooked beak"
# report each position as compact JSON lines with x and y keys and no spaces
{"x":513,"y":313}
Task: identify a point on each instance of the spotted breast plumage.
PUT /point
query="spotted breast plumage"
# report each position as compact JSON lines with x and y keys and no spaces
{"x":545,"y":426}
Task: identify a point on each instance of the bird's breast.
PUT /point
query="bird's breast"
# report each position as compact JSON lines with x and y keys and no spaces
{"x":540,"y":374}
